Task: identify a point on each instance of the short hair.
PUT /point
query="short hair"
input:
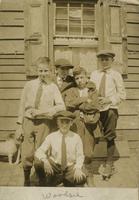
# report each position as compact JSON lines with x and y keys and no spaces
{"x":42,"y":60}
{"x":79,"y":70}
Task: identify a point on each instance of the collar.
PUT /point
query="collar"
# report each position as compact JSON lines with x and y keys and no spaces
{"x":44,"y":83}
{"x":105,"y":71}
{"x":62,"y":134}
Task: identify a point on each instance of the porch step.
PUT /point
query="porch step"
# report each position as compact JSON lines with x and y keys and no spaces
{"x":122,"y":149}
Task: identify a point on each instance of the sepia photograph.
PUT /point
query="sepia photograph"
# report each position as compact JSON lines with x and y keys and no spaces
{"x":69,"y":99}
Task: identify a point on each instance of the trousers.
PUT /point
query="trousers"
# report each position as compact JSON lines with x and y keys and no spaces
{"x":66,"y":176}
{"x":35,"y":131}
{"x":109,"y":119}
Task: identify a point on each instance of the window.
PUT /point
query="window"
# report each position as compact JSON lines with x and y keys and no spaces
{"x":74,"y":19}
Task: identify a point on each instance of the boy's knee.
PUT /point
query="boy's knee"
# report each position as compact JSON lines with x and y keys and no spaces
{"x":38,"y":163}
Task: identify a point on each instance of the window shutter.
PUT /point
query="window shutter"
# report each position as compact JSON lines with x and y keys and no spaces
{"x":112,"y":31}
{"x":36,"y":33}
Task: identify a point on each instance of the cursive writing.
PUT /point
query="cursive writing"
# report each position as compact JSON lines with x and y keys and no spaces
{"x":68,"y":194}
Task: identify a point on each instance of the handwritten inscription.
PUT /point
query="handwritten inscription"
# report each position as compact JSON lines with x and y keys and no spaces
{"x":67,"y":194}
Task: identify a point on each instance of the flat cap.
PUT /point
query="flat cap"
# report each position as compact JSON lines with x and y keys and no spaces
{"x":63,"y":63}
{"x":91,"y":85}
{"x":88,"y":108}
{"x":78,"y":70}
{"x":106,"y":52}
{"x":64,"y":114}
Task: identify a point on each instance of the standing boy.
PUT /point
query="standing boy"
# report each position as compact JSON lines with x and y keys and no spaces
{"x":111,"y":91}
{"x":65,"y":159}
{"x":40,"y":100}
{"x":63,"y":78}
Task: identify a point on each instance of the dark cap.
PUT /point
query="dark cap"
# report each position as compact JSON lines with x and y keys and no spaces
{"x":105,"y":53}
{"x":64,"y":115}
{"x":91,"y":85}
{"x":63,"y":63}
{"x":78,"y":70}
{"x":88,"y":108}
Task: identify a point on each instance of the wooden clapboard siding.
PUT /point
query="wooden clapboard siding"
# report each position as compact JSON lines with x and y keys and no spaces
{"x":132,"y":84}
{"x":10,"y":93}
{"x":12,"y":84}
{"x":9,"y":108}
{"x":12,"y":69}
{"x":131,"y":133}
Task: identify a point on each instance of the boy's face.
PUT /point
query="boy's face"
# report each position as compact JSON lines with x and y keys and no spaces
{"x":63,"y":72}
{"x":43,"y":72}
{"x":105,"y":61}
{"x":64,"y":125}
{"x":81,"y":80}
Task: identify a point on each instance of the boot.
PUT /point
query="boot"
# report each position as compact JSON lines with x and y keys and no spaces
{"x":108,"y":170}
{"x":27,"y":177}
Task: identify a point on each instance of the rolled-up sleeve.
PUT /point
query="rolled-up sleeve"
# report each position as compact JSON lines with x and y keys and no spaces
{"x":41,"y":152}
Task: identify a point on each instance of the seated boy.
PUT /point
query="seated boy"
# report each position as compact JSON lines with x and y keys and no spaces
{"x":91,"y":113}
{"x":84,"y":92}
{"x":62,"y":154}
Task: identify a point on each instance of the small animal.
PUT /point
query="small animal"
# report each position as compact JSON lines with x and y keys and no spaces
{"x":10,"y":147}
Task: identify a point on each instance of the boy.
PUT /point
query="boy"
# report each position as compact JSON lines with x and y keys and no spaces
{"x":63,"y":79}
{"x":40,"y":100}
{"x":65,"y":159}
{"x":111,"y":91}
{"x":74,"y":98}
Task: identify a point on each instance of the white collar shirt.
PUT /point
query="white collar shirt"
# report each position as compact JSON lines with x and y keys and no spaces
{"x":114,"y":88}
{"x":52,"y":143}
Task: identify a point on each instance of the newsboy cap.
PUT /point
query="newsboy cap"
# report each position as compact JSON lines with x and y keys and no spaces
{"x":91,"y":85}
{"x":88,"y":108}
{"x":63,"y":63}
{"x":64,"y":114}
{"x":106,"y":52}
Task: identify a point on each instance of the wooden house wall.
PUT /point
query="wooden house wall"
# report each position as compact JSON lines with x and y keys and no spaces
{"x":132,"y":83}
{"x":13,"y":72}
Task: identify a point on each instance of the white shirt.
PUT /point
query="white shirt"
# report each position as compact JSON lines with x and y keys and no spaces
{"x":114,"y":88}
{"x":83,"y":92}
{"x":51,"y":100}
{"x":53,"y":141}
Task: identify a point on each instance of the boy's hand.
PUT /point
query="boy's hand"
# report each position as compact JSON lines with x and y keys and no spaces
{"x":104,"y":100}
{"x":35,"y":112}
{"x":78,"y":174}
{"x":19,"y":131}
{"x":48,"y":168}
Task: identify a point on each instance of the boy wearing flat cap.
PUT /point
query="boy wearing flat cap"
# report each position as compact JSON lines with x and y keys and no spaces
{"x":111,"y":91}
{"x":63,"y":79}
{"x":74,"y":98}
{"x":62,"y":154}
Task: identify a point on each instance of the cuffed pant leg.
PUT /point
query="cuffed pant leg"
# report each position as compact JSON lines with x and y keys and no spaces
{"x":109,"y":121}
